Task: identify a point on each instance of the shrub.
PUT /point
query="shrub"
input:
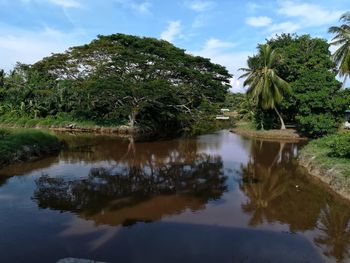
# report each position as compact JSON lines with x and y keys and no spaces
{"x":340,"y":145}
{"x":3,"y":134}
{"x":317,"y":125}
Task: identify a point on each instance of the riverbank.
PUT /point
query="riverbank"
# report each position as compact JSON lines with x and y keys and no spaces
{"x":65,"y":124}
{"x":248,"y":130}
{"x":26,"y":145}
{"x":317,"y":158}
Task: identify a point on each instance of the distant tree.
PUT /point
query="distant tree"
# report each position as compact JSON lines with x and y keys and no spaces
{"x":342,"y":40}
{"x":2,"y":83}
{"x":265,"y":86}
{"x":2,"y":78}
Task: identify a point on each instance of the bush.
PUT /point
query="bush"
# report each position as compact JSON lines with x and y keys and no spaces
{"x":340,"y":145}
{"x":317,"y":125}
{"x":4,"y":133}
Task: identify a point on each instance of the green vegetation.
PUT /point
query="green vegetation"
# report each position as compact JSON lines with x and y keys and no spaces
{"x":114,"y":80}
{"x":314,"y":104}
{"x":21,"y":145}
{"x":316,"y":101}
{"x":265,"y":86}
{"x":60,"y":120}
{"x":340,"y":145}
{"x":342,"y":54}
{"x":330,"y":153}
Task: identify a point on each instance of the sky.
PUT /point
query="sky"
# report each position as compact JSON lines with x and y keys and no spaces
{"x":226,"y":31}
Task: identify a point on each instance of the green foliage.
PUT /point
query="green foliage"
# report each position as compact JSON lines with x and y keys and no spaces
{"x":342,"y":40}
{"x":114,"y":80}
{"x":317,"y":125}
{"x":240,"y":104}
{"x":340,"y":145}
{"x":320,"y":153}
{"x":316,"y":102}
{"x":24,"y":144}
{"x":266,"y":87}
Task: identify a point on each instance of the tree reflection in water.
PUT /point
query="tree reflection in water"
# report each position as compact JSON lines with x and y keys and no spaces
{"x":274,"y":186}
{"x":335,"y":238}
{"x":264,"y":180}
{"x":138,"y":189}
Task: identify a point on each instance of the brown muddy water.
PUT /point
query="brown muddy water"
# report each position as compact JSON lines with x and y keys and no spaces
{"x":214,"y":198}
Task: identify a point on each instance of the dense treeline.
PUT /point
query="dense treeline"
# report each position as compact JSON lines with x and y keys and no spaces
{"x":116,"y":79}
{"x":316,"y":100}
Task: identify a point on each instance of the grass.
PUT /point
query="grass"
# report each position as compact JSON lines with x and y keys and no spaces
{"x":61,"y":120}
{"x":246,"y":126}
{"x":21,"y":145}
{"x":249,"y":129}
{"x":319,"y":151}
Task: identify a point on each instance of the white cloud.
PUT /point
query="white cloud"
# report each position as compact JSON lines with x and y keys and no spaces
{"x":66,"y":3}
{"x":259,"y":21}
{"x":29,"y":46}
{"x":311,"y":15}
{"x":142,"y":8}
{"x":284,"y":27}
{"x":200,"y":5}
{"x":61,"y":3}
{"x":173,"y":30}
{"x":221,"y":52}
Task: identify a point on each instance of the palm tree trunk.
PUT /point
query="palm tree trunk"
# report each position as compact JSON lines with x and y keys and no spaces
{"x":283,"y":126}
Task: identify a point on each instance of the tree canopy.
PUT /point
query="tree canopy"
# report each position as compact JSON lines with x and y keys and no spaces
{"x":119,"y":79}
{"x":265,"y":86}
{"x":316,"y":102}
{"x":342,"y":40}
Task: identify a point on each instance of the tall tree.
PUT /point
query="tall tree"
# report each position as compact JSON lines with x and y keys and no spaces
{"x":265,"y":86}
{"x":342,"y":39}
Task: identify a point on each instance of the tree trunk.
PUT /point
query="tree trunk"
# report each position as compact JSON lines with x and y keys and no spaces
{"x":283,"y":126}
{"x":132,"y":117}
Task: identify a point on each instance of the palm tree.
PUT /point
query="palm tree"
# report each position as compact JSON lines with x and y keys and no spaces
{"x":265,"y":86}
{"x":342,"y":39}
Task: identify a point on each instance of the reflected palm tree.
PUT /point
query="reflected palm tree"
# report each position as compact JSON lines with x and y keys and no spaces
{"x":262,"y":186}
{"x":334,"y":223}
{"x":266,"y":179}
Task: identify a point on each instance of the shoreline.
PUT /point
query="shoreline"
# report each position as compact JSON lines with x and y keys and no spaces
{"x":16,"y":148}
{"x":281,"y":135}
{"x":332,"y":178}
{"x":117,"y":130}
{"x":312,"y":160}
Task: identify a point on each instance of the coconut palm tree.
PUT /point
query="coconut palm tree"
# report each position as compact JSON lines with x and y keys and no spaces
{"x":265,"y":86}
{"x":342,"y":39}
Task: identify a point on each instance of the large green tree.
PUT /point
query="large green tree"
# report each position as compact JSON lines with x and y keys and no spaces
{"x":316,"y":102}
{"x":118,"y":79}
{"x":342,"y":41}
{"x":264,"y":84}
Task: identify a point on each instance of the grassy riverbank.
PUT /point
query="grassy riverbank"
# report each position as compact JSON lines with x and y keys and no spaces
{"x":24,"y":145}
{"x":248,"y":129}
{"x":64,"y":122}
{"x":327,"y":159}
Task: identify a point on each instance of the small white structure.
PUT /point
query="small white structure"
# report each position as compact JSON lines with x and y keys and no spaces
{"x":347,"y":125}
{"x":347,"y":119}
{"x":222,"y":118}
{"x":225,"y":110}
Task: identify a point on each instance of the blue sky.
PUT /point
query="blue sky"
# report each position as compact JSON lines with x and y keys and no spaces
{"x":227,"y":31}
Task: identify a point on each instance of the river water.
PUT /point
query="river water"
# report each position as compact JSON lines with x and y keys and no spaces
{"x":215,"y":198}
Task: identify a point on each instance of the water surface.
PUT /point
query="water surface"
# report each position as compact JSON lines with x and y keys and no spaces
{"x":214,"y":198}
